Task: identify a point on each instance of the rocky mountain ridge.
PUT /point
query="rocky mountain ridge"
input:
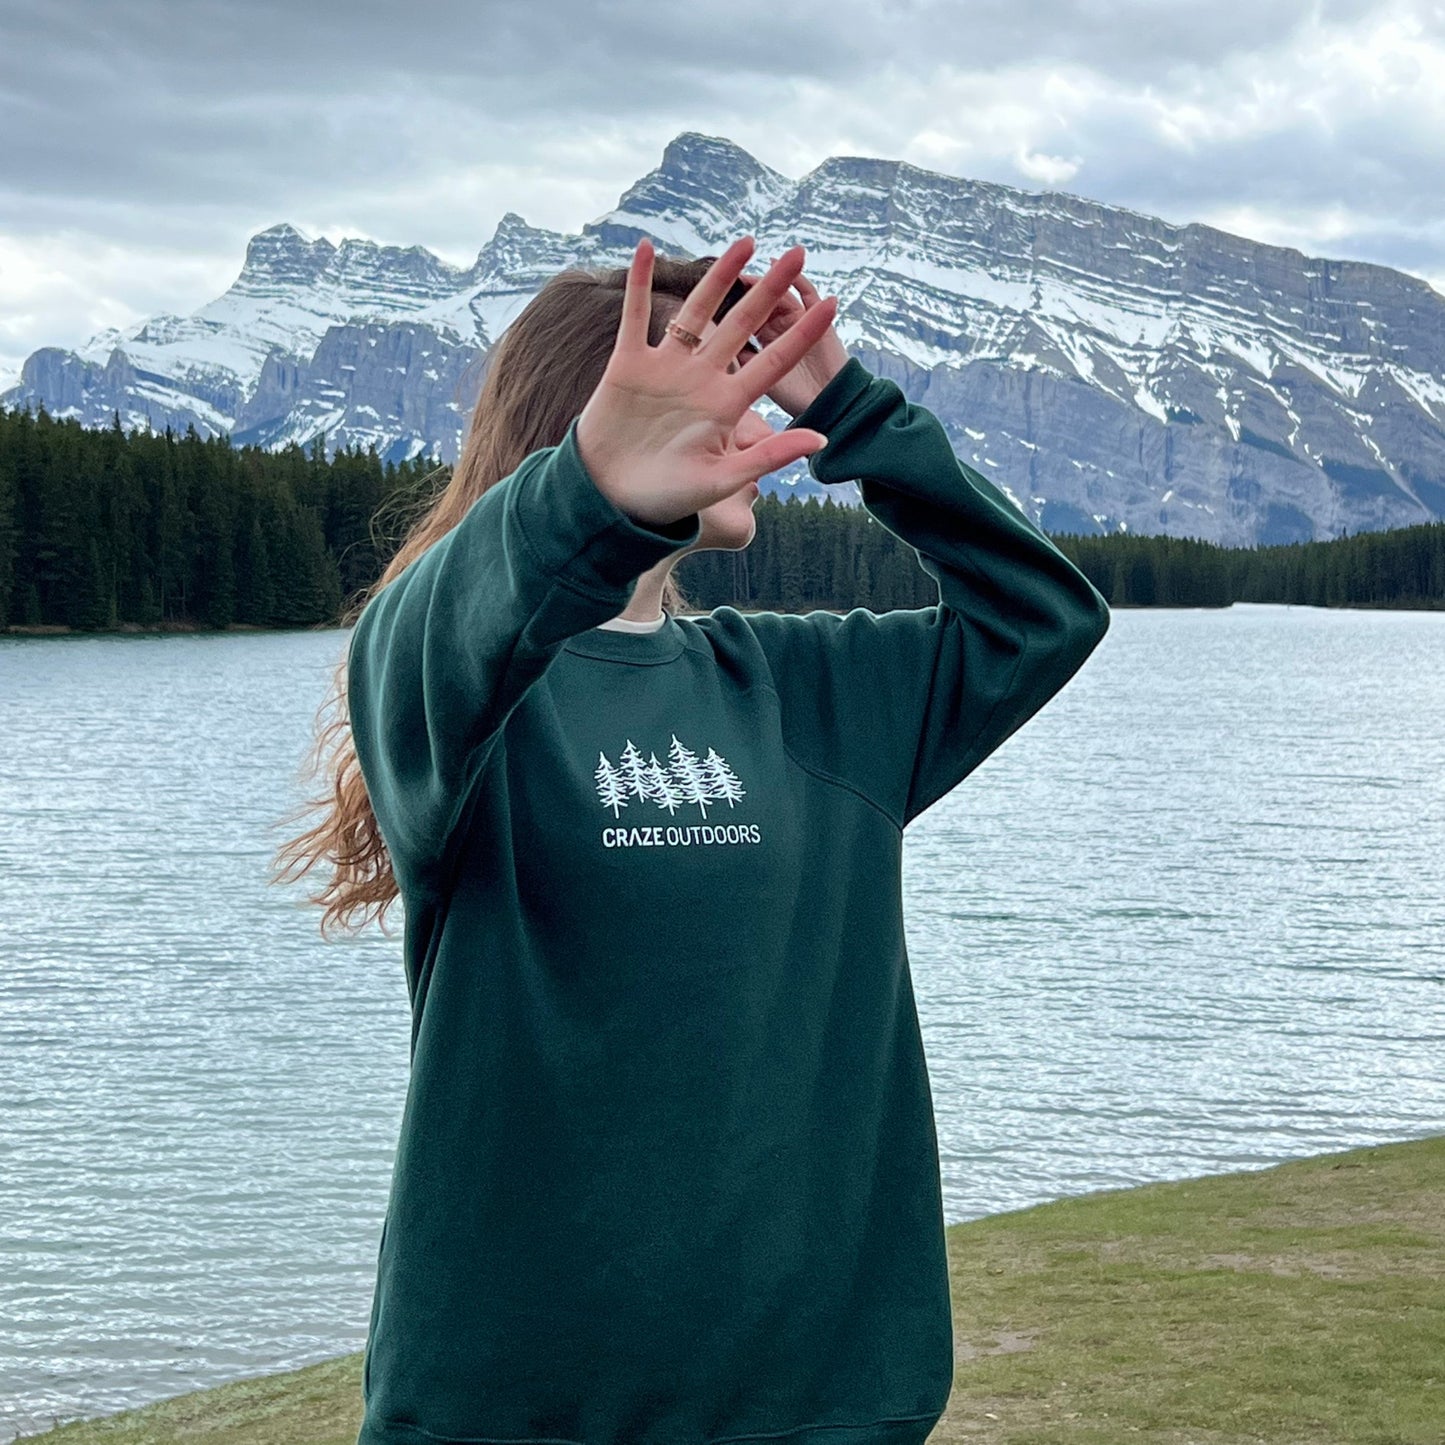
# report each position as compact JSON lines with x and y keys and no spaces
{"x":1109,"y":370}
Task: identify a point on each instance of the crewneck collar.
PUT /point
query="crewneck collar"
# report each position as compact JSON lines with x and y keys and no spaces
{"x":615,"y":645}
{"x":627,"y":624}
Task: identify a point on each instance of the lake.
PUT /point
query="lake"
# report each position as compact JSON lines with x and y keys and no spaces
{"x":1190,"y":919}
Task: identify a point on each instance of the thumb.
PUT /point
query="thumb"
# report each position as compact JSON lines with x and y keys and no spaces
{"x":775,"y":451}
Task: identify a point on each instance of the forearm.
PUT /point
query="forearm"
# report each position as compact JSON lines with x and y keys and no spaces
{"x":442,"y":654}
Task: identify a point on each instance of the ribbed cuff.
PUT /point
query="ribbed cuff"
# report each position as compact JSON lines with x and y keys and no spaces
{"x":826,"y":414}
{"x":574,"y":530}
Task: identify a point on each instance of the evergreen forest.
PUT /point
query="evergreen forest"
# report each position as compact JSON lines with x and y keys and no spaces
{"x":103,"y":529}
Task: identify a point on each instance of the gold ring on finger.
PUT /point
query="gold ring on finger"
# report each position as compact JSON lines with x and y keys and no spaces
{"x":688,"y":338}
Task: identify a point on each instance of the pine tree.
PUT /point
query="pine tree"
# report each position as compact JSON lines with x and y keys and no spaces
{"x":664,"y":791}
{"x":610,"y":787}
{"x":723,"y":783}
{"x":9,"y":522}
{"x":255,"y":599}
{"x":692,"y":783}
{"x":634,"y":771}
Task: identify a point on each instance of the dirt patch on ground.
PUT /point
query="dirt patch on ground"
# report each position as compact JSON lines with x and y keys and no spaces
{"x":1005,"y":1342}
{"x":989,"y":1419}
{"x":1414,"y":1258}
{"x":1327,"y":1268}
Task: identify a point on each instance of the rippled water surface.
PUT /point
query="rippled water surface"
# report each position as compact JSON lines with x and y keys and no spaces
{"x":1191,"y":918}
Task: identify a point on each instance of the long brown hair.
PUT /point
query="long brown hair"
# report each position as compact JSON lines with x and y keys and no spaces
{"x":536,"y":380}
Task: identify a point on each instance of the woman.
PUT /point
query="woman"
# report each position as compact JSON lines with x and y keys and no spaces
{"x":667,"y":1172}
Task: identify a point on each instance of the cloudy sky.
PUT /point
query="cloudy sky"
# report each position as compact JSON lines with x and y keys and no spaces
{"x":143,"y":141}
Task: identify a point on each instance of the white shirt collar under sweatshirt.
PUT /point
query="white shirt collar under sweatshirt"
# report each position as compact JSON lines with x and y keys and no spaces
{"x":625,"y":624}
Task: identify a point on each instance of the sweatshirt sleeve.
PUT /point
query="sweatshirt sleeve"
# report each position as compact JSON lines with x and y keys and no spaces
{"x":441,"y":656}
{"x":902,"y":705}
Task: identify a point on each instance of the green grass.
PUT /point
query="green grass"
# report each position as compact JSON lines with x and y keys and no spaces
{"x":1302,"y":1303}
{"x":1298,"y":1305}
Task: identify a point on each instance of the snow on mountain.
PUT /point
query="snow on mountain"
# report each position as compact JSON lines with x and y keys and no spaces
{"x":1109,"y":370}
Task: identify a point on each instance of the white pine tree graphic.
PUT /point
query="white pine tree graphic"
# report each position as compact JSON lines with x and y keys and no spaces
{"x":610,"y":786}
{"x":692,"y":782}
{"x":634,"y":772}
{"x":683,"y":780}
{"x":664,"y":792}
{"x":722,"y":781}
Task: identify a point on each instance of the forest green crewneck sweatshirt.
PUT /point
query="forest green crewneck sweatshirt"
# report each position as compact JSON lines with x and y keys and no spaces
{"x":667,"y":1172}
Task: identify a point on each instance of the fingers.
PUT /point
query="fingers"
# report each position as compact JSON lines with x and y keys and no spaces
{"x":787,"y":305}
{"x":767,"y":299}
{"x":785,"y":311}
{"x":754,"y":309}
{"x":704,"y":299}
{"x":779,"y":357}
{"x":807,"y":290}
{"x":636,"y":299}
{"x":771,"y":454}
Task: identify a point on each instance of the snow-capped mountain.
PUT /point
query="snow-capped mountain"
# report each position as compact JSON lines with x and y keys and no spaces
{"x":1108,"y":369}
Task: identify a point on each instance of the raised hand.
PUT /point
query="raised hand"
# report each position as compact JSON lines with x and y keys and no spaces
{"x":817,"y":366}
{"x":660,"y":435}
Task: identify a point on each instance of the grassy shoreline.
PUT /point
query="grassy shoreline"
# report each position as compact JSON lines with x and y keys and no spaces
{"x":1302,"y":1304}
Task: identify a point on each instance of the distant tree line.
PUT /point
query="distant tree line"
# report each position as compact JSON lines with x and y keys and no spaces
{"x":100,"y":528}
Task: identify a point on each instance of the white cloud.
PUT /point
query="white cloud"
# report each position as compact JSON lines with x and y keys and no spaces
{"x":144,"y":146}
{"x":64,"y":287}
{"x":1045,"y":169}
